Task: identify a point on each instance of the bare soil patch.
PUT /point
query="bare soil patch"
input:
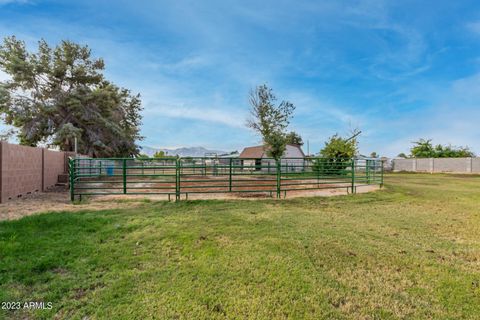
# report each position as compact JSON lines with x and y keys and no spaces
{"x":50,"y":201}
{"x":59,"y":200}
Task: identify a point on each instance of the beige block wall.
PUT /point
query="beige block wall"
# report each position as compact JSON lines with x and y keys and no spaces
{"x":423,"y":165}
{"x":403,"y":164}
{"x":53,"y":165}
{"x":21,"y":170}
{"x":452,"y":164}
{"x":476,"y":165}
{"x":25,"y":170}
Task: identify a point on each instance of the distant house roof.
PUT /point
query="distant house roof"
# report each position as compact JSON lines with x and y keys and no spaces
{"x":259,"y":152}
{"x":256,"y":152}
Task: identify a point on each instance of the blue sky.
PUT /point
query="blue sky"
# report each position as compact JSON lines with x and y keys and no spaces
{"x":398,"y":70}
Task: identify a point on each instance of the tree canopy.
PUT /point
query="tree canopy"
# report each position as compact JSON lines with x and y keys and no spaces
{"x":59,"y":93}
{"x":336,"y":154}
{"x":423,"y":148}
{"x":294,"y":138}
{"x":159,"y":154}
{"x":338,"y":148}
{"x":270,"y":120}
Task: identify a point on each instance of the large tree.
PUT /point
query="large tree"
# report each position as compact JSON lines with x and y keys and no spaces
{"x":58,"y":94}
{"x":270,"y":120}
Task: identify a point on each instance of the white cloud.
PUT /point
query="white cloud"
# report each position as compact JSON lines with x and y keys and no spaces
{"x":196,"y":113}
{"x":311,"y":106}
{"x":183,"y":65}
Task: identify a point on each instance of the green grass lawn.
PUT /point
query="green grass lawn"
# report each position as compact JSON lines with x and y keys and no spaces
{"x":409,"y":251}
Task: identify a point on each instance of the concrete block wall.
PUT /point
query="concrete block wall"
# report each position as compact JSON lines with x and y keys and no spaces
{"x":454,"y":165}
{"x":53,"y":165}
{"x":475,"y":164}
{"x":423,"y":165}
{"x":21,"y":170}
{"x":26,"y":170}
{"x":404,"y":165}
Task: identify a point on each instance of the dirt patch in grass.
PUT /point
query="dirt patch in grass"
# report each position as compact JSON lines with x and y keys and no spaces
{"x":60,"y":200}
{"x":50,"y":202}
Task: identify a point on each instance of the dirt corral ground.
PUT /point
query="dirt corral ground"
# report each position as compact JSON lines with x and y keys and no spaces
{"x":50,"y":201}
{"x":59,"y":200}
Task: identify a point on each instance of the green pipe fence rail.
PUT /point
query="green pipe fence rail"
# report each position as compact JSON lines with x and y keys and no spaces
{"x":175,"y":177}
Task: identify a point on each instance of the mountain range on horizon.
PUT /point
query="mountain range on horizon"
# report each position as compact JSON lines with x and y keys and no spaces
{"x":182,"y":152}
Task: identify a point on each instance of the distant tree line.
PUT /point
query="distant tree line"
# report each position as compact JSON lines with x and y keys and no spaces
{"x":424,"y":148}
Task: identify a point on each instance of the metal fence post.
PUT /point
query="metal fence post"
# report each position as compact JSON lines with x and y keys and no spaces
{"x":71,"y":165}
{"x":278,"y":178}
{"x":318,"y":176}
{"x":353,"y":176}
{"x":177,"y":179}
{"x":124,"y":173}
{"x":230,"y":178}
{"x":381,"y":172}
{"x":367,"y":170}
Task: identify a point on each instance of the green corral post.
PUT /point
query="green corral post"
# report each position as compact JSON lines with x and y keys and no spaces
{"x":177,"y":179}
{"x":100,"y":164}
{"x":71,"y":166}
{"x":353,"y":176}
{"x":230,"y":177}
{"x":367,"y":171}
{"x":381,"y":172}
{"x":373,"y":176}
{"x":124,"y":174}
{"x":278,"y":177}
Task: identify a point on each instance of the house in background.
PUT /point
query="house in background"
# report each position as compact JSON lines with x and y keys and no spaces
{"x":256,"y":158}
